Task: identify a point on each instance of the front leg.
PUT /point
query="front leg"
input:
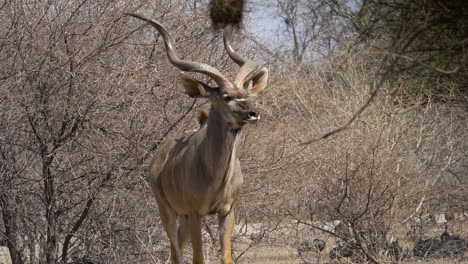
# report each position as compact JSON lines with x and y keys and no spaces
{"x":194,"y":222}
{"x":226,"y":225}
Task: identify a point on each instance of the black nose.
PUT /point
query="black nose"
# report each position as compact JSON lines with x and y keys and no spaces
{"x":252,"y":114}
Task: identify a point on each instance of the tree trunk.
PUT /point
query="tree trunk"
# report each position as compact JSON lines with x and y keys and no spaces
{"x":11,"y":228}
{"x":51,"y":218}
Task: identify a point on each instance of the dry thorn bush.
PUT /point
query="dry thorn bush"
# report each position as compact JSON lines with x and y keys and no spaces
{"x":87,"y":95}
{"x":387,"y":168}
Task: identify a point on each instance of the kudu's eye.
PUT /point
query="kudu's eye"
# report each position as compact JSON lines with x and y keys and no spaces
{"x":227,"y":98}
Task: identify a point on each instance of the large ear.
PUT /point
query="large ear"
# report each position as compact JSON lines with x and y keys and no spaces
{"x":193,"y":88}
{"x":258,"y":82}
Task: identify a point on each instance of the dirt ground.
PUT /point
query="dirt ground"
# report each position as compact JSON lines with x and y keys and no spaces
{"x":271,"y":254}
{"x":282,"y":255}
{"x":4,"y":255}
{"x":277,"y":255}
{"x":275,"y":246}
{"x":281,"y":251}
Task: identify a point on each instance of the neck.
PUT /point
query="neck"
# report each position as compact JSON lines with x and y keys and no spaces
{"x":221,"y":142}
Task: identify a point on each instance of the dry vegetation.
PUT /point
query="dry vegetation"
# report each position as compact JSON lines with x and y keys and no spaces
{"x":87,"y":95}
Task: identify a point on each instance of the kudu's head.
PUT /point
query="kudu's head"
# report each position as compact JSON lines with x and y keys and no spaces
{"x":228,"y":99}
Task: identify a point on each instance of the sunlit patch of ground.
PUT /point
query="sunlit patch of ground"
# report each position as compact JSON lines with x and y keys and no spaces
{"x":4,"y":255}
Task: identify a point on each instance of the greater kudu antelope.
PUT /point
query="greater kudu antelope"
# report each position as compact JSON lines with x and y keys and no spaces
{"x":199,"y":174}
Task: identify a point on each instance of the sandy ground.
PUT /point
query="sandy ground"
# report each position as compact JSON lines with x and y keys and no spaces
{"x":271,"y":254}
{"x":4,"y":255}
{"x":274,"y":255}
{"x":281,"y":255}
{"x":275,"y":248}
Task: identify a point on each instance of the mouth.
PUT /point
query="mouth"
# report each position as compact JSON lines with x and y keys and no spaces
{"x":252,"y":119}
{"x":245,"y":119}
